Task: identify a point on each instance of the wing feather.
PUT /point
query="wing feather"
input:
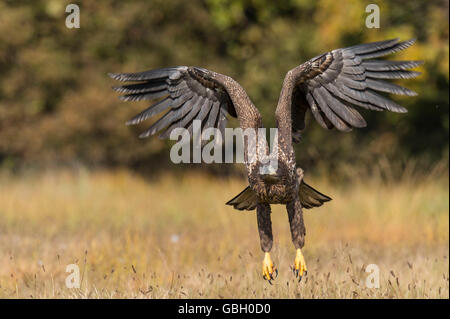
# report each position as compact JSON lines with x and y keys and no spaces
{"x":334,"y":119}
{"x":386,"y":65}
{"x":170,"y":117}
{"x":392,"y":74}
{"x":184,"y":122}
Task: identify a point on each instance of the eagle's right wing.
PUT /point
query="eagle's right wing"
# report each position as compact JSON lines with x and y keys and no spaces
{"x":188,"y":94}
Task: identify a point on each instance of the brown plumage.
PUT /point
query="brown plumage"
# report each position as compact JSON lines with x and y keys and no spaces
{"x":329,"y":86}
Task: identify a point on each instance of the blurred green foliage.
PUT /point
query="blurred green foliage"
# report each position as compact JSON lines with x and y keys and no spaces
{"x":57,"y":107}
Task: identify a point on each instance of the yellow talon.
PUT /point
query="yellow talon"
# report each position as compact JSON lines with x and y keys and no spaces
{"x":299,"y":265}
{"x":268,"y":269}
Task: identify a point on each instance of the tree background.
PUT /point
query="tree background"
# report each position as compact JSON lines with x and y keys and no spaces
{"x":57,"y":107}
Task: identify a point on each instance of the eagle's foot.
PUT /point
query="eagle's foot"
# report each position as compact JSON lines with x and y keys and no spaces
{"x":268,"y":269}
{"x":299,"y":268}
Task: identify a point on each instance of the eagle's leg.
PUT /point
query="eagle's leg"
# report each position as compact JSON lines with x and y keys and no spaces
{"x":298,"y":233}
{"x":266,"y":238}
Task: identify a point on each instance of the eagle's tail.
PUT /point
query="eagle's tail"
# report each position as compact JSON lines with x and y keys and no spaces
{"x":309,"y":198}
{"x":245,"y":200}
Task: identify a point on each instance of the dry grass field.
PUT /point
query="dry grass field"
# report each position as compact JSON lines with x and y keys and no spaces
{"x":173,"y":237}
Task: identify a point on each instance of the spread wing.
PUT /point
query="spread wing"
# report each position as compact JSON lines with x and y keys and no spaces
{"x":185,"y":94}
{"x":332,"y":84}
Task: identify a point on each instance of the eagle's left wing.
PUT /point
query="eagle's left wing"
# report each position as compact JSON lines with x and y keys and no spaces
{"x":331,"y":84}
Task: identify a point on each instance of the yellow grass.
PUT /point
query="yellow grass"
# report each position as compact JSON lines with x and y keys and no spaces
{"x":173,"y":237}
